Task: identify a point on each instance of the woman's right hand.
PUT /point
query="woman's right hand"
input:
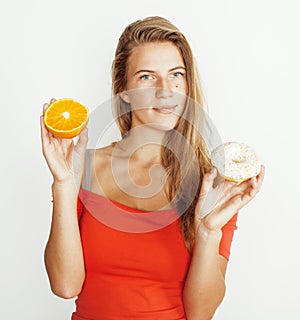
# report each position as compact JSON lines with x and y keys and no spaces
{"x":64,"y":158}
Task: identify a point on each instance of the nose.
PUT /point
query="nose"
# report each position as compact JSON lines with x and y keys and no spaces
{"x":163,"y":89}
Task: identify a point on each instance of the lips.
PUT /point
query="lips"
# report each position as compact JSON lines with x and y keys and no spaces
{"x":165,"y":109}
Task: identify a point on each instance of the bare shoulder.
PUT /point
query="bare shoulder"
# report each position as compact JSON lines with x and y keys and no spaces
{"x":100,"y":159}
{"x":101,"y":176}
{"x":103,"y":154}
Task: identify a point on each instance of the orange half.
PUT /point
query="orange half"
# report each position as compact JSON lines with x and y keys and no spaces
{"x":65,"y":118}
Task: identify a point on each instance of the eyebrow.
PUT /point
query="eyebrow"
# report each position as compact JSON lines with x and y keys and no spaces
{"x":152,"y":71}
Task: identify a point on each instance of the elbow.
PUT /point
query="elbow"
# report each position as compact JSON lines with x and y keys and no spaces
{"x":199,"y":316}
{"x":204,"y":310}
{"x":65,"y":284}
{"x":66,"y":292}
{"x":67,"y":287}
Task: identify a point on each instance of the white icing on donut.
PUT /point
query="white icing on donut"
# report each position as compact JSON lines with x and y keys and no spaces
{"x":236,"y":161}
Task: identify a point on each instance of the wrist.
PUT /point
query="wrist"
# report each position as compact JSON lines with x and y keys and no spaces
{"x":67,"y":185}
{"x":205,"y":234}
{"x":66,"y":179}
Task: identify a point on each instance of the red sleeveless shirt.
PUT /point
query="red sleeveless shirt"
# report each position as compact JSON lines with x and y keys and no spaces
{"x":133,"y":272}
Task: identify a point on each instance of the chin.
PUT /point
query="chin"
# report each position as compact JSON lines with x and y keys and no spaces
{"x":163,"y":126}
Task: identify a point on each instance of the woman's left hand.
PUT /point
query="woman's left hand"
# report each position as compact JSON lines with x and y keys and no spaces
{"x":218,"y":204}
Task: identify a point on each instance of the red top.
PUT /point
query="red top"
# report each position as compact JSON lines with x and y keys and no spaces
{"x":133,"y":273}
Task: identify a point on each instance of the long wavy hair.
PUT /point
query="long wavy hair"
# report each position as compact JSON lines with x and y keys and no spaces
{"x":184,"y":175}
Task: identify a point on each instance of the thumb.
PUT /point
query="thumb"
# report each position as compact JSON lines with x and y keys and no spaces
{"x":209,"y":195}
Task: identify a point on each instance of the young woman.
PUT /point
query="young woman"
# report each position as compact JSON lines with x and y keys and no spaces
{"x":168,"y":268}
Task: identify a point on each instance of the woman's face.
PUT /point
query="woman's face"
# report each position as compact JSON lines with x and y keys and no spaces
{"x":156,"y":85}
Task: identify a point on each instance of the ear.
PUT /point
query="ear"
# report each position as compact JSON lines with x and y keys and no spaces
{"x":124,"y":95}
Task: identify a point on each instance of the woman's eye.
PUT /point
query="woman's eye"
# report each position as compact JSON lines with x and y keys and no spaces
{"x":146,"y":77}
{"x":177,"y":74}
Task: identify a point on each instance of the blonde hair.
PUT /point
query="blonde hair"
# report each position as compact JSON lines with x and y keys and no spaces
{"x":183,"y":182}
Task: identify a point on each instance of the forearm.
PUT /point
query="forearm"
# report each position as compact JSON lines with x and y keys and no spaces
{"x":205,"y":286}
{"x":63,"y":252}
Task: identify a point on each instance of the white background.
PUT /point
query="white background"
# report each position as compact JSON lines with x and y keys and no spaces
{"x":248,"y":57}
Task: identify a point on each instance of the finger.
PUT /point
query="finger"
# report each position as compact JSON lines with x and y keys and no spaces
{"x":252,"y":190}
{"x":230,"y":208}
{"x":234,"y":201}
{"x":218,"y":180}
{"x":256,"y":183}
{"x":207,"y":182}
{"x":235,"y":204}
{"x":209,"y":196}
{"x":247,"y":197}
{"x":65,"y":142}
{"x":44,"y":133}
{"x":226,"y":210}
{"x":45,"y":106}
{"x":82,"y":140}
{"x":230,"y":189}
{"x":250,"y":184}
{"x":234,"y":191}
{"x":249,"y":194}
{"x":260,"y":177}
{"x":69,"y":147}
{"x":246,"y":191}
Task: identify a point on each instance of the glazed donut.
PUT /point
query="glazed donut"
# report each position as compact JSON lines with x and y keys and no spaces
{"x":236,"y":161}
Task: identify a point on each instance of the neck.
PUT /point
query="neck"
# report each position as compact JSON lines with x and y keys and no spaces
{"x":143,"y":144}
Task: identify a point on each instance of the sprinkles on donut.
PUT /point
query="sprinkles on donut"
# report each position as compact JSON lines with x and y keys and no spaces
{"x":236,"y":161}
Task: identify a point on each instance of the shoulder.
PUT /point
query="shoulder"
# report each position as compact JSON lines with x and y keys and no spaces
{"x":99,"y":158}
{"x":102,"y":157}
{"x":103,"y":154}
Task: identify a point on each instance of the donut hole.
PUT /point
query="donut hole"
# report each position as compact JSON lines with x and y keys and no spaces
{"x":240,"y":159}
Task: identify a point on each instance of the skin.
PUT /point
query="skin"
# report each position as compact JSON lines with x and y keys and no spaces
{"x":156,"y":77}
{"x":63,"y":253}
